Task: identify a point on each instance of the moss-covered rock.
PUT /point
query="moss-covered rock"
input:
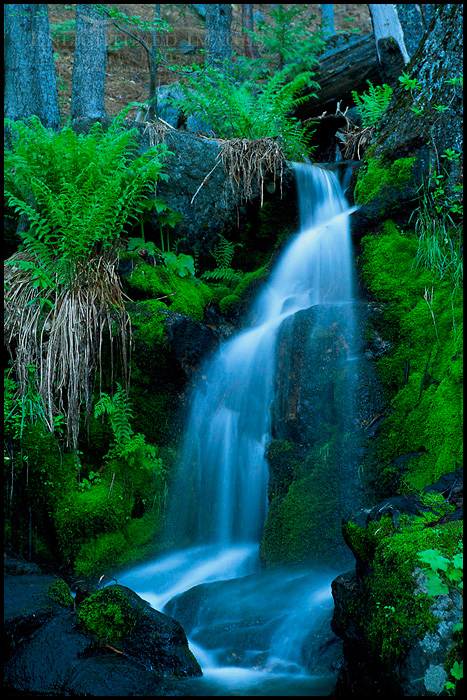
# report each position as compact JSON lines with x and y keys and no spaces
{"x":187,"y":295}
{"x":422,"y":372}
{"x":378,"y":174}
{"x":395,"y":632}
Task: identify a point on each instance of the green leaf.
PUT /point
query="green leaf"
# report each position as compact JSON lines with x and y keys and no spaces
{"x":434,"y":559}
{"x":457,"y":671}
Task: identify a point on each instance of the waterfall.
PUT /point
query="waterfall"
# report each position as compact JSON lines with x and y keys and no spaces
{"x":249,"y":620}
{"x":221,"y":494}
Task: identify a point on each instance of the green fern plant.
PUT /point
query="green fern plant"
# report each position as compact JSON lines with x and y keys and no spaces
{"x":246,"y":110}
{"x":371,"y":105}
{"x":128,"y":446}
{"x":76,"y":194}
{"x":223,"y":253}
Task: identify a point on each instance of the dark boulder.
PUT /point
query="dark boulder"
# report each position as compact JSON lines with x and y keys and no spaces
{"x":51,"y":652}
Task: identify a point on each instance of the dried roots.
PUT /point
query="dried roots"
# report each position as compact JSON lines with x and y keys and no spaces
{"x":58,"y":333}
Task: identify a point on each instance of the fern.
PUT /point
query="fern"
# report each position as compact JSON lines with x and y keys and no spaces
{"x":225,"y":274}
{"x":128,"y":446}
{"x":224,"y":251}
{"x":77,"y":192}
{"x":119,"y":411}
{"x":372,"y":105}
{"x":246,"y":110}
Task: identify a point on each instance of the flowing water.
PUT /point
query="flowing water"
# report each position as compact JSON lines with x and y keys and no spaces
{"x":254,"y":632}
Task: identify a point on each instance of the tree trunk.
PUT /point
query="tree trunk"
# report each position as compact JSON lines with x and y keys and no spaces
{"x":437,"y":66}
{"x":249,"y":46}
{"x":154,"y":62}
{"x":30,"y":82}
{"x":90,"y":61}
{"x":341,"y":71}
{"x":389,"y":39}
{"x":412,"y":26}
{"x":218,"y":37}
{"x":327,"y":20}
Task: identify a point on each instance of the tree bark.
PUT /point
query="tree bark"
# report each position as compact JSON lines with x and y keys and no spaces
{"x":249,"y":46}
{"x":218,"y":37}
{"x":412,"y":26}
{"x":424,"y":135}
{"x":327,"y":20}
{"x":30,"y":81}
{"x":90,"y":61}
{"x":154,"y":63}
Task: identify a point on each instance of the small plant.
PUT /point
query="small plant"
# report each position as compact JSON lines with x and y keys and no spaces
{"x":287,"y":40}
{"x":371,"y":105}
{"x":76,"y":193}
{"x":128,"y":446}
{"x":223,"y":253}
{"x":107,"y":615}
{"x":92,"y":478}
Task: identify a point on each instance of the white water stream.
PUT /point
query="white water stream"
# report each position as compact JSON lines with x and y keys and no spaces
{"x":254,"y":633}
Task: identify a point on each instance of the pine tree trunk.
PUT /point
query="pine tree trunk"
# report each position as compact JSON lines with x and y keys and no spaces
{"x":90,"y":61}
{"x":30,"y":82}
{"x":249,"y":46}
{"x":218,"y":37}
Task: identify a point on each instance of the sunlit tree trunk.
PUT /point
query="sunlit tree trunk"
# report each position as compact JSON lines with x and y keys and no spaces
{"x":154,"y":63}
{"x":90,"y":61}
{"x":327,"y":20}
{"x":30,"y":81}
{"x":389,"y":38}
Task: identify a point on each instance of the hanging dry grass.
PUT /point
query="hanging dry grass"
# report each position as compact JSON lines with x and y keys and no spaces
{"x":59,"y":331}
{"x":356,"y":142}
{"x":247,"y":162}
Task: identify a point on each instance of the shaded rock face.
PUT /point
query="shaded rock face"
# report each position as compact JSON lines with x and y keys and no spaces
{"x":324,"y":414}
{"x":423,"y":136}
{"x":50,"y":653}
{"x":198,"y":186}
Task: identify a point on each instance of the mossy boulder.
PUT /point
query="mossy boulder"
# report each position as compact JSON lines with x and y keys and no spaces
{"x":117,"y":615}
{"x":395,"y":633}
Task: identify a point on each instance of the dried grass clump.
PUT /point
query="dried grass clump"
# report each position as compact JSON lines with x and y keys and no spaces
{"x":58,"y":330}
{"x":248,"y":162}
{"x":357,"y":141}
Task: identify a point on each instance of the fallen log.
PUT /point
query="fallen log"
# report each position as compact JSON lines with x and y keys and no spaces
{"x":340,"y":71}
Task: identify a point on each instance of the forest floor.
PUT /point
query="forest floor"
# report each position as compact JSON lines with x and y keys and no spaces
{"x":127,"y":73}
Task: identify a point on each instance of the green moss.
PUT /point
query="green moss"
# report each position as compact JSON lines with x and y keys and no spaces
{"x":228,"y":304}
{"x":375,"y":174}
{"x":388,"y":607}
{"x":304,"y":527}
{"x":422,"y":372}
{"x":107,"y":615}
{"x":99,"y":555}
{"x":186,"y":295}
{"x":82,"y":515}
{"x":147,"y":323}
{"x":60,"y":593}
{"x":250,"y":278}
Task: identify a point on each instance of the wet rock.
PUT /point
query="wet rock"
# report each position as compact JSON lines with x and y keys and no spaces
{"x":190,"y":340}
{"x":51,"y":653}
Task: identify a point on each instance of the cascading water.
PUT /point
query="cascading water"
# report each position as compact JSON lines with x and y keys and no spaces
{"x":219,"y":502}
